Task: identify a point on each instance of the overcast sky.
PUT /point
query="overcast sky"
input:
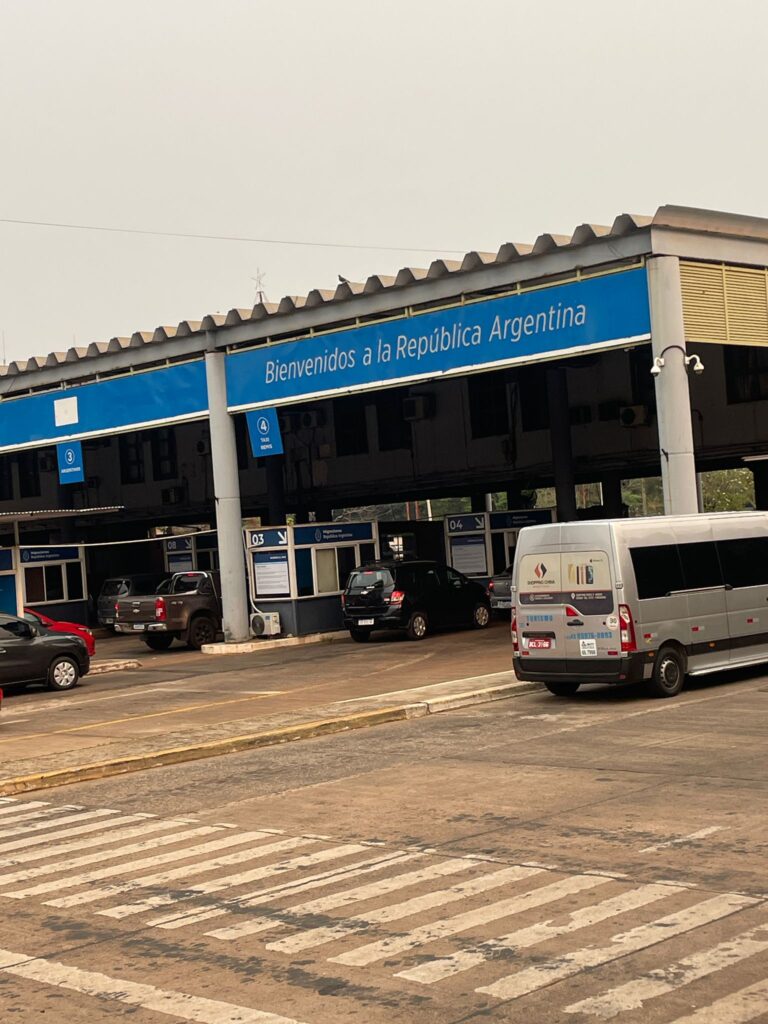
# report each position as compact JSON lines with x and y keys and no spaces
{"x":433,"y":124}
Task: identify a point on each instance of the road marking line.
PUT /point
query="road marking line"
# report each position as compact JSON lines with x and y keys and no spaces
{"x":297,"y":864}
{"x":435,"y":930}
{"x":394,"y":912}
{"x":701,"y":834}
{"x":634,"y":994}
{"x":67,"y":819}
{"x":147,"y":997}
{"x":90,"y":895}
{"x":532,"y":978}
{"x":258,"y":924}
{"x":737,"y":1008}
{"x":139,"y":718}
{"x":103,"y":838}
{"x":17,"y":808}
{"x":445,"y":967}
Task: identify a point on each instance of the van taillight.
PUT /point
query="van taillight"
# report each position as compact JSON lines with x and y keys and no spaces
{"x":515,"y":645}
{"x":160,"y":608}
{"x":396,"y":597}
{"x":628,"y":642}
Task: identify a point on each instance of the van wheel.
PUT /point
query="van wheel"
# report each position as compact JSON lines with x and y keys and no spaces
{"x":63,"y":674}
{"x":562,"y":689}
{"x":668,"y":673}
{"x":417,"y":627}
{"x":481,"y":616}
{"x":202,"y":630}
{"x":360,"y":636}
{"x":158,"y":641}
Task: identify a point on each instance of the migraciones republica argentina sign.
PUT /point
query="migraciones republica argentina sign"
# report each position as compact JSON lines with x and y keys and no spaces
{"x":594,"y":313}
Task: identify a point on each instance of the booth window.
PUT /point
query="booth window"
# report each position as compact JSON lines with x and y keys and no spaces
{"x":29,"y":474}
{"x":347,"y":558}
{"x":393,"y":430}
{"x":164,"y":463}
{"x":488,"y":408}
{"x":305,"y":580}
{"x":57,"y":581}
{"x":131,"y":459}
{"x":327,"y":571}
{"x":746,"y":373}
{"x":350,"y":425}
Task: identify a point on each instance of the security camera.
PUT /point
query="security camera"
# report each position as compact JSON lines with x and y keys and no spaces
{"x":656,"y":368}
{"x":695,"y":363}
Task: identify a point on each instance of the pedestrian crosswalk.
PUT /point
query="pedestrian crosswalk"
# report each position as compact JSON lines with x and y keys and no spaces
{"x":603,"y":945}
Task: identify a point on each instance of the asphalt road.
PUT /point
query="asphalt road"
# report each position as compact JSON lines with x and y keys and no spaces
{"x":533,"y":860}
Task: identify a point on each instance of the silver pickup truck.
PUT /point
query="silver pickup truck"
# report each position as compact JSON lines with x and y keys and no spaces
{"x":190,"y":611}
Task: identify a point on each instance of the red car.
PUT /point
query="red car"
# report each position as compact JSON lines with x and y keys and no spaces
{"x":38,"y":619}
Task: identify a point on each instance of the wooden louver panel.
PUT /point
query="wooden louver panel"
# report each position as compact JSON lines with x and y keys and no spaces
{"x":727,"y":305}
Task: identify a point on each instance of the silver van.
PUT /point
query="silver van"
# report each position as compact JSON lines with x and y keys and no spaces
{"x":630,"y":600}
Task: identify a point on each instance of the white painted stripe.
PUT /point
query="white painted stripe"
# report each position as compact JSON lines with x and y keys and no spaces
{"x":297,"y":864}
{"x":395,"y":944}
{"x":108,"y":833}
{"x":147,"y":997}
{"x":532,"y":978}
{"x":70,"y":881}
{"x":258,"y":924}
{"x":18,"y":808}
{"x":99,"y":856}
{"x":701,"y":834}
{"x":38,"y":826}
{"x":738,"y":1008}
{"x":319,"y":936}
{"x":634,"y":994}
{"x":445,"y":967}
{"x":194,"y":868}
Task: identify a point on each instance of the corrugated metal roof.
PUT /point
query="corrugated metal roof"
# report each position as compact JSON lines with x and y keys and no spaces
{"x":679,"y":218}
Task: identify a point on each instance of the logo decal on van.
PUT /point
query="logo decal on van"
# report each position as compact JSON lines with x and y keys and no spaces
{"x":540,"y":570}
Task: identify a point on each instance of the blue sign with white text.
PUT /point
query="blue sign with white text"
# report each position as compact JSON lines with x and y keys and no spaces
{"x":70,"y":459}
{"x":332,"y":534}
{"x":565,"y":318}
{"x":264,"y":431}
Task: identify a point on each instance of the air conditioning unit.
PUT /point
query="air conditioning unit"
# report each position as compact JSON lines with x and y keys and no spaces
{"x":418,"y":407}
{"x":310,"y":419}
{"x":172,"y":495}
{"x":265,"y":623}
{"x":287,"y":421}
{"x":203,"y":447}
{"x":46,"y":462}
{"x":634,"y":415}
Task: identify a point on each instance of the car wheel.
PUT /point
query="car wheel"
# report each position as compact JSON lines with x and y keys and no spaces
{"x":668,"y":673}
{"x":158,"y":641}
{"x":202,"y":630}
{"x":481,"y":616}
{"x":360,"y":636}
{"x":417,"y":627}
{"x":63,"y":673}
{"x":562,"y":689}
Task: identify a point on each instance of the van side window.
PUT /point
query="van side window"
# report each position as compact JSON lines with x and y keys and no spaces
{"x":701,"y":566}
{"x":745,"y":561}
{"x":657,"y":570}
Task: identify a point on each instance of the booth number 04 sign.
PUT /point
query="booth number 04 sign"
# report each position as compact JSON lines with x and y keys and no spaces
{"x":70,"y":459}
{"x":264,"y":431}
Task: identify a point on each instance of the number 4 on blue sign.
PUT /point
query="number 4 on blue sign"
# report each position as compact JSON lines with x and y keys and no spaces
{"x":264,"y":432}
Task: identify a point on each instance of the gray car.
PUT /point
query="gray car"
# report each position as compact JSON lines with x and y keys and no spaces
{"x":127,"y":585}
{"x":500,"y":592}
{"x":33,"y":654}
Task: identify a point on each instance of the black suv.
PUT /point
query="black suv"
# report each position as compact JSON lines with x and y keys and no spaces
{"x":412,"y":595}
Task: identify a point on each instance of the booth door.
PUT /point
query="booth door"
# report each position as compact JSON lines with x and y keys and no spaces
{"x":8,"y":594}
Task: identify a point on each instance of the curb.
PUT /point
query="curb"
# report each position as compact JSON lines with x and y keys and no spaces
{"x":252,"y":741}
{"x":100,"y":667}
{"x":254,"y":646}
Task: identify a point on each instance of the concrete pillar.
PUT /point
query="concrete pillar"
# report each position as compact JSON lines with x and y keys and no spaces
{"x":760,"y":474}
{"x":612,"y":503}
{"x":673,"y":401}
{"x":226,"y":489}
{"x":560,"y":438}
{"x":275,"y":490}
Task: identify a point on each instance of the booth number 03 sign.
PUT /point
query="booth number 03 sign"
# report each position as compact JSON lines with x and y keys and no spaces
{"x":70,"y":459}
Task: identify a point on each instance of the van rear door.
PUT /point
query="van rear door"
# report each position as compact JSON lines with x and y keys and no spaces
{"x":540,"y":612}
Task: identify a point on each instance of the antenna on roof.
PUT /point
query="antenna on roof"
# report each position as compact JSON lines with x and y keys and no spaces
{"x":261,"y":295}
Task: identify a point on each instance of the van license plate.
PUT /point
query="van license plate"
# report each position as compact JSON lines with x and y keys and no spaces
{"x":542,"y":644}
{"x":365,"y":622}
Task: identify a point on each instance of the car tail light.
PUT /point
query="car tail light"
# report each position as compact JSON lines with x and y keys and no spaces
{"x":628,"y":642}
{"x":160,"y":609}
{"x":491,"y":585}
{"x":396,"y":597}
{"x":343,"y":600}
{"x":515,"y":645}
{"x":117,"y":610}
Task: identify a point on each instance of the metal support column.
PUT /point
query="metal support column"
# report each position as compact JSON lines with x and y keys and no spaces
{"x":673,"y":400}
{"x":560,"y":438}
{"x":226,"y":489}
